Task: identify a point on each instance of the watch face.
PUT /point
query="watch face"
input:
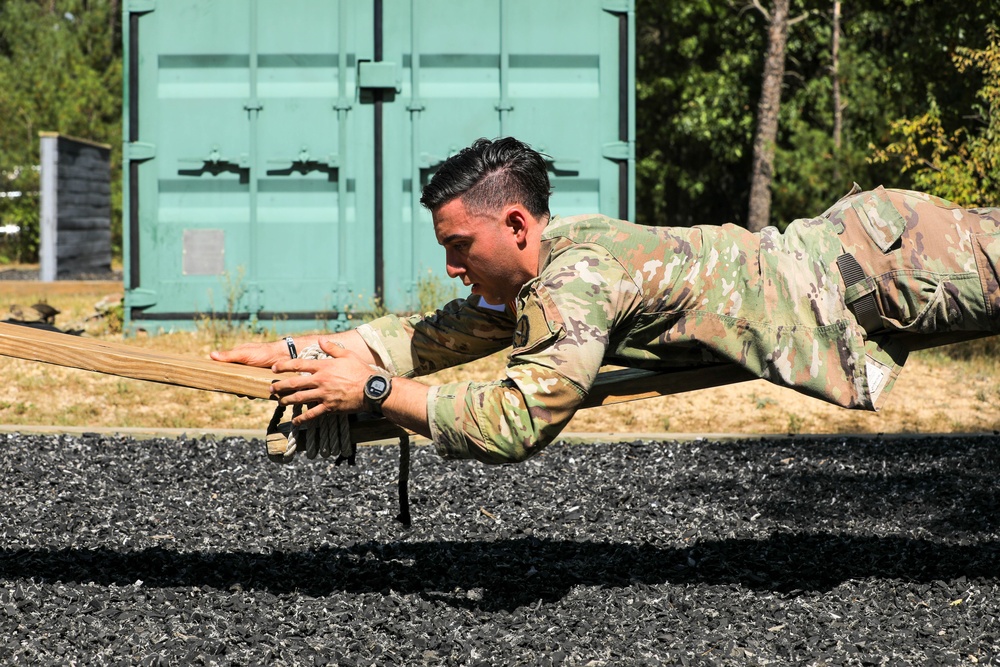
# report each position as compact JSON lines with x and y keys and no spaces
{"x":377,"y":387}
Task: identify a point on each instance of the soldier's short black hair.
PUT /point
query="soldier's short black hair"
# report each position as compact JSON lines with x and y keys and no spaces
{"x":489,"y":175}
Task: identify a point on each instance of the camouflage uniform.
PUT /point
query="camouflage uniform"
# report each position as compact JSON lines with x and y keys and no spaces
{"x":611,"y":292}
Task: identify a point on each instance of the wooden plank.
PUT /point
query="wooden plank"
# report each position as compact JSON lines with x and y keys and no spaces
{"x":22,"y":342}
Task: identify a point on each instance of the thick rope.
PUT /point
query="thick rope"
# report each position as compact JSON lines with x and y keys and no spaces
{"x":330,"y":435}
{"x":404,"y":479}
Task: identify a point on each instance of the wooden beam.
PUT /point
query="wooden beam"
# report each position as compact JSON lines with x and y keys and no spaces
{"x":24,"y":342}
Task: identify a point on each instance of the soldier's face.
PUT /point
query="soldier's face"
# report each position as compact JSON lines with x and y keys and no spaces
{"x":485,"y":252}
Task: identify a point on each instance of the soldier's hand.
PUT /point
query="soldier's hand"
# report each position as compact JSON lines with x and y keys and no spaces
{"x":263,"y":355}
{"x":334,"y":384}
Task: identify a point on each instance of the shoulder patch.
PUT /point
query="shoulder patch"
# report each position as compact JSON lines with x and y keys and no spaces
{"x":521,"y":332}
{"x":538,"y":323}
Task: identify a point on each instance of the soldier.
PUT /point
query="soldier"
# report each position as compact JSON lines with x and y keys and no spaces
{"x":818,"y":308}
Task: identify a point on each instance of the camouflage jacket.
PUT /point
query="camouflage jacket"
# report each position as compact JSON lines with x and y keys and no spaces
{"x":612,"y":292}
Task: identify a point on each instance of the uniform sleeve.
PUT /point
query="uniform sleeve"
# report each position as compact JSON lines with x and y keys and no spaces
{"x":463,"y":330}
{"x":564,"y":323}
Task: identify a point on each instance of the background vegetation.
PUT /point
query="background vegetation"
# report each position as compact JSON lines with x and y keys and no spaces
{"x":920,"y":89}
{"x":60,"y":71}
{"x":919,"y":85}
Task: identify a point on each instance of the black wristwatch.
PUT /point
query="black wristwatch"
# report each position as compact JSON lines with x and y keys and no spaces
{"x":377,"y":389}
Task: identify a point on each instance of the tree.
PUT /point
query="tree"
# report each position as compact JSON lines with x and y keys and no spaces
{"x":768,"y":107}
{"x":60,"y":70}
{"x":699,"y":78}
{"x":838,"y":105}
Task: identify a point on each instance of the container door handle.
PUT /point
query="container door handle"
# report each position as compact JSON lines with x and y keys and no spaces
{"x":562,"y":166}
{"x":304,"y":162}
{"x":215,"y":163}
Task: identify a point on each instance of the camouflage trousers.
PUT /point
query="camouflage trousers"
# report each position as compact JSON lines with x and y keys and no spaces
{"x":926,"y":272}
{"x":929,"y":265}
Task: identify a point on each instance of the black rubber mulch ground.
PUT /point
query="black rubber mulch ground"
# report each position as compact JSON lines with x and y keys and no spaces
{"x":840,"y":551}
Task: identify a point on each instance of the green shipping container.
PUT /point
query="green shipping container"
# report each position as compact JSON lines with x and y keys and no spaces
{"x":275,"y":149}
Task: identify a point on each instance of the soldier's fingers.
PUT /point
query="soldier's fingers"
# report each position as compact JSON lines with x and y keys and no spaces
{"x":302,"y":396}
{"x":298,"y":366}
{"x":333,"y":348}
{"x":291,"y":385}
{"x":311,"y":413}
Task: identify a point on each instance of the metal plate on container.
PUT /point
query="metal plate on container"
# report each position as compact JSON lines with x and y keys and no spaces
{"x":204,"y":252}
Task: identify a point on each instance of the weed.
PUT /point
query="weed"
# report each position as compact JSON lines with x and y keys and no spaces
{"x":109,"y":312}
{"x":224,"y":327}
{"x":115,"y":318}
{"x":376,"y":310}
{"x":432,"y":293}
{"x":795,"y":424}
{"x":665,"y":424}
{"x":762,"y":402}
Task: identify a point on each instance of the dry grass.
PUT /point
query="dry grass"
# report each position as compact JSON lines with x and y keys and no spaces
{"x":954,"y":389}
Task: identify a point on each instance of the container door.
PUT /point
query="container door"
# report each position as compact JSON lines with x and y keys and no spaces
{"x":554,"y":74}
{"x":314,"y":229}
{"x":244,"y":179}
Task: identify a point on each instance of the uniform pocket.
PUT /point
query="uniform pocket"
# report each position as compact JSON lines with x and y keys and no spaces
{"x":913,"y":302}
{"x":926,"y":302}
{"x":539,"y":323}
{"x":880,"y":218}
{"x":987,"y":250}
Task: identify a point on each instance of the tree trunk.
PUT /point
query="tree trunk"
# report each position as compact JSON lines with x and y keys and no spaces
{"x":767,"y":118}
{"x":838,"y":111}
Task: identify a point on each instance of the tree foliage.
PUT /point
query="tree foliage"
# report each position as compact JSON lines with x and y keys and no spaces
{"x":60,"y":71}
{"x":698,"y":77}
{"x":699,"y":70}
{"x":963,"y":164}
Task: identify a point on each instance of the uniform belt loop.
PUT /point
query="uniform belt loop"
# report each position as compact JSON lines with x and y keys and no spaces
{"x":865,"y":308}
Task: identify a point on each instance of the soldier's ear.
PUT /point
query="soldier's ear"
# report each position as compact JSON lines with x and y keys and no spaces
{"x":517,"y":221}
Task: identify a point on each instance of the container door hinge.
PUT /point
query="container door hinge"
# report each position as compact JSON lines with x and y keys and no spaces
{"x":141,"y":297}
{"x":617,"y":150}
{"x":138,"y":150}
{"x":306,"y":161}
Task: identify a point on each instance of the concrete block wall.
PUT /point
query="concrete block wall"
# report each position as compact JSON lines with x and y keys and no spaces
{"x":75,"y":221}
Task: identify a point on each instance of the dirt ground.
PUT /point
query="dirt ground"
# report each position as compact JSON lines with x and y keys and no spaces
{"x":933,"y":395}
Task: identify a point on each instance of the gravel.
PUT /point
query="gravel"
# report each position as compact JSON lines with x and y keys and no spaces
{"x":845,"y":551}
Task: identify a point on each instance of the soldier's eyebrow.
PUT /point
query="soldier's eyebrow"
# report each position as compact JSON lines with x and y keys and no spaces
{"x":451,"y":238}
